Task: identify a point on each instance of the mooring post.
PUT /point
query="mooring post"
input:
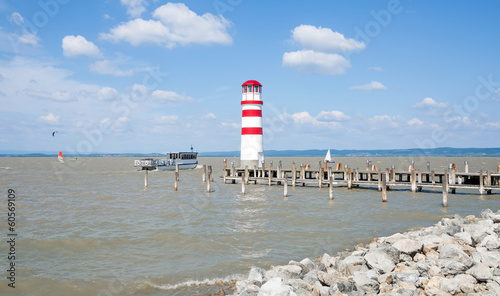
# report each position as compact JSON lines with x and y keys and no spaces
{"x":330,"y":181}
{"x":384,"y":187}
{"x":498,"y":168}
{"x":204,"y":173}
{"x":294,"y":174}
{"x":466,"y":166}
{"x":445,"y":188}
{"x":413,"y":181}
{"x":209,"y":182}
{"x":367,"y":164}
{"x":433,"y":174}
{"x":243,"y":185}
{"x":428,"y":166}
{"x":146,"y":179}
{"x":320,"y":177}
{"x":269,"y":174}
{"x":393,"y":175}
{"x":419,"y":188}
{"x":302,"y":171}
{"x":481,"y":182}
{"x":349,"y":179}
{"x":329,"y":173}
{"x":246,"y":174}
{"x":379,"y":181}
{"x":177,"y":171}
{"x":232,"y":169}
{"x":285,"y":188}
{"x":176,"y":180}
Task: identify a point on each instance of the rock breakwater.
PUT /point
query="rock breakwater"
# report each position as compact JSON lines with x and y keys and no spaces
{"x":457,"y":256}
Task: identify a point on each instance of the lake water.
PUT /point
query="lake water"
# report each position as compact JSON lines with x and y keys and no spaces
{"x":89,"y":227}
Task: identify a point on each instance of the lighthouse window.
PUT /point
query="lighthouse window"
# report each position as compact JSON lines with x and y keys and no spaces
{"x":256,"y":88}
{"x":249,"y":88}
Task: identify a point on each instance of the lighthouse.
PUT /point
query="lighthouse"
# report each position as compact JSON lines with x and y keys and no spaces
{"x":252,"y":153}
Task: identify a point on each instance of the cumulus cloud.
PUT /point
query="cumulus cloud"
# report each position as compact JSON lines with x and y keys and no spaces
{"x":430,"y":103}
{"x":79,"y":46}
{"x":172,"y":24}
{"x":59,"y":96}
{"x":166,"y":119}
{"x":105,"y":67}
{"x":374,"y":85}
{"x":50,"y":119}
{"x":134,"y":7}
{"x":170,"y":96}
{"x":380,"y":121}
{"x":415,"y":121}
{"x":312,"y":62}
{"x":107,"y":94}
{"x":332,"y":116}
{"x":324,"y":39}
{"x":26,"y":37}
{"x":304,"y":118}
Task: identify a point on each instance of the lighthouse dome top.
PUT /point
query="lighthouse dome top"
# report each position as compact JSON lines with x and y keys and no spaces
{"x":252,"y":82}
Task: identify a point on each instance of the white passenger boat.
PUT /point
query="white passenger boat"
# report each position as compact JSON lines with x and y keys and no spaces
{"x":185,"y":160}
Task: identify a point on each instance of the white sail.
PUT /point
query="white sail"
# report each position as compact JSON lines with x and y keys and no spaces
{"x":328,"y":158}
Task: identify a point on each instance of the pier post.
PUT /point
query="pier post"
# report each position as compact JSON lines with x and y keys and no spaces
{"x":294,"y":174}
{"x":367,"y":164}
{"x":243,"y":185}
{"x":330,"y":183}
{"x":278,"y":173}
{"x":384,"y":188}
{"x":146,"y":179}
{"x":204,"y":173}
{"x":498,"y":168}
{"x":302,"y":172}
{"x":320,"y":176}
{"x":433,"y":176}
{"x":246,"y":174}
{"x":232,"y":169}
{"x":466,"y":166}
{"x":413,"y":181}
{"x":263,"y":168}
{"x":177,"y":171}
{"x":255,"y":173}
{"x":445,"y":188}
{"x":269,"y":173}
{"x":329,"y":173}
{"x":481,"y":182}
{"x":380,"y":180}
{"x":419,"y":188}
{"x":176,"y":181}
{"x":349,"y":179}
{"x":209,"y":182}
{"x":428,"y":166}
{"x":393,"y":175}
{"x":285,"y":188}
{"x":488,"y":182}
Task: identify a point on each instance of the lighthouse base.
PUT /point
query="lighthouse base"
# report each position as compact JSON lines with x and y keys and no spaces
{"x":250,"y":163}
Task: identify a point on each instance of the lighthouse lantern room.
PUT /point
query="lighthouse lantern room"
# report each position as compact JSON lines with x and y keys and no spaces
{"x":252,"y":153}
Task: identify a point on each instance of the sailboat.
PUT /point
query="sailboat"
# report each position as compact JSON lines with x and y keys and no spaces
{"x":60,"y":157}
{"x":328,"y":158}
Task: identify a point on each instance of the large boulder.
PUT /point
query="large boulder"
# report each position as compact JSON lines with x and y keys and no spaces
{"x":455,"y":253}
{"x":349,"y":265}
{"x":408,"y":246}
{"x":366,"y":281}
{"x":481,"y":272}
{"x":382,"y":260}
{"x":275,"y":287}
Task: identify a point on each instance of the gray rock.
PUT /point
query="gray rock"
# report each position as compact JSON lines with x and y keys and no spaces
{"x":366,"y":281}
{"x":455,"y":253}
{"x":482,"y":255}
{"x":394,"y":238}
{"x":463,"y":238}
{"x":284,"y":272}
{"x":407,"y":277}
{"x":298,"y":284}
{"x":349,"y":265}
{"x":251,"y":290}
{"x":477,"y":232}
{"x":308,"y":263}
{"x":348,"y":287}
{"x":256,"y":274}
{"x":451,"y":285}
{"x":311,"y":277}
{"x":383,"y":260}
{"x":481,"y":272}
{"x":453,"y":228}
{"x":423,"y":267}
{"x":408,"y":246}
{"x":405,"y":258}
{"x":451,"y":267}
{"x":491,"y":242}
{"x":275,"y":287}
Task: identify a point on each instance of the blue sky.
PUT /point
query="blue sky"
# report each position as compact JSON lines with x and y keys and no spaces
{"x":157,"y":76}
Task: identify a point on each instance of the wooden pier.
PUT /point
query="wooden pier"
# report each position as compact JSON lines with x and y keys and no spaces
{"x":338,"y":175}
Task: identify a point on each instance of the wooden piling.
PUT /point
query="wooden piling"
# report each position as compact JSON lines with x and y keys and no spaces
{"x":177,"y":171}
{"x":209,"y":181}
{"x":466,"y":166}
{"x":285,"y":188}
{"x":498,"y":168}
{"x":204,"y":172}
{"x":243,"y":185}
{"x":246,"y":175}
{"x":384,"y":188}
{"x":294,"y":174}
{"x":270,"y":173}
{"x":176,"y":180}
{"x":481,"y":182}
{"x":146,"y":179}
{"x":413,"y":181}
{"x":433,"y":174}
{"x":379,"y":181}
{"x":330,"y":183}
{"x":445,"y":189}
{"x":349,"y":179}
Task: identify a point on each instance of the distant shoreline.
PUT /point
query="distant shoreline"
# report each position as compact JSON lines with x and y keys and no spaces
{"x":412,"y":152}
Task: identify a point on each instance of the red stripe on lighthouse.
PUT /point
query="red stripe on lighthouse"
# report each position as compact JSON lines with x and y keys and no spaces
{"x":252,"y":102}
{"x":251,"y":131}
{"x":249,"y":113}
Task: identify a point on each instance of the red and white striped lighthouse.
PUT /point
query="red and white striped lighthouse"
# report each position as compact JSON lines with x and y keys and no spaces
{"x":252,"y":153}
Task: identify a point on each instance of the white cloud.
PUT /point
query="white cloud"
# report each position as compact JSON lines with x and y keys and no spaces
{"x":166,"y":119}
{"x":374,"y":85}
{"x":139,"y":92}
{"x":107,"y":94}
{"x":415,"y":121}
{"x":312,"y":62}
{"x":495,"y":125}
{"x":173,"y":24}
{"x":170,"y":96}
{"x":379,"y":121}
{"x":376,"y":68}
{"x":134,"y":7}
{"x":230,"y":124}
{"x":16,"y":18}
{"x":209,"y":116}
{"x":27,"y":38}
{"x":60,"y":96}
{"x":105,"y":67}
{"x":304,"y":118}
{"x":430,"y":103}
{"x":332,"y":116}
{"x":324,"y":39}
{"x":50,"y":119}
{"x":77,"y":45}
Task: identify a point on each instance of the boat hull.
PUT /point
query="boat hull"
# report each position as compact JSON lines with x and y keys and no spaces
{"x":182,"y":166}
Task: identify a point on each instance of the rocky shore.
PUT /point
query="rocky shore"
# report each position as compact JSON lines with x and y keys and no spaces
{"x":457,"y":256}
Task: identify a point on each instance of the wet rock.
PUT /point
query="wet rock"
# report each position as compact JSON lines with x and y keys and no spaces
{"x":256,"y":275}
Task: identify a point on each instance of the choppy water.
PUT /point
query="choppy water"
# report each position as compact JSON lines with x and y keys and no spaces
{"x":89,"y":227}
